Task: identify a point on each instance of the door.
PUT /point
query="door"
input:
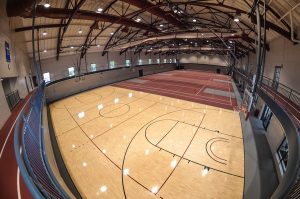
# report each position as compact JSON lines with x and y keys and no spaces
{"x":276,"y":77}
{"x":266,"y":117}
{"x":141,"y":73}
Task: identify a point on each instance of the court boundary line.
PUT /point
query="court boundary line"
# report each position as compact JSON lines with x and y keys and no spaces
{"x":210,"y":144}
{"x":201,"y":164}
{"x":147,"y":124}
{"x":166,"y":133}
{"x":95,"y":145}
{"x":139,"y":130}
{"x":181,"y":157}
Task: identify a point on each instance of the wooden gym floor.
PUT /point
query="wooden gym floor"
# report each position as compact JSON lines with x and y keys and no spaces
{"x":122,"y":143}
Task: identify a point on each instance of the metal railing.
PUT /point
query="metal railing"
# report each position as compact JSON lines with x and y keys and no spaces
{"x":85,"y":71}
{"x":287,"y":112}
{"x":13,"y":99}
{"x":30,"y":150}
{"x":287,"y":98}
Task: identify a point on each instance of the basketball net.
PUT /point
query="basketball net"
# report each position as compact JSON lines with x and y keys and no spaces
{"x":246,"y":104}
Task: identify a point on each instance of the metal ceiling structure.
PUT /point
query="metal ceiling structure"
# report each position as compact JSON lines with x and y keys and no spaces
{"x":82,"y":26}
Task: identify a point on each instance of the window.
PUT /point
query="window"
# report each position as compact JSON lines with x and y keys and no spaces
{"x":46,"y":77}
{"x":282,"y":156}
{"x":165,"y":60}
{"x":158,"y":61}
{"x":93,"y":67}
{"x":149,"y":61}
{"x":174,"y":60}
{"x":140,"y":62}
{"x":111,"y":64}
{"x":127,"y":62}
{"x":71,"y":71}
{"x":170,"y":60}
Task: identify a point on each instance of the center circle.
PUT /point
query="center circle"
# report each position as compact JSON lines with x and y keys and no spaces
{"x":114,"y":110}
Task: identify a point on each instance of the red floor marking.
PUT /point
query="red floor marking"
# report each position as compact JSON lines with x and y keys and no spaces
{"x":187,"y":85}
{"x":8,"y":163}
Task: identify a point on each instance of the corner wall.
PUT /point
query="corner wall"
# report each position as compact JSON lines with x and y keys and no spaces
{"x":282,"y":52}
{"x":18,"y":67}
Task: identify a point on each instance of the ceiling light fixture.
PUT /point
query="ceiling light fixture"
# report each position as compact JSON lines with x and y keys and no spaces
{"x":98,"y":46}
{"x":44,"y":33}
{"x":194,"y":20}
{"x":72,"y":47}
{"x":111,"y":33}
{"x":80,"y":31}
{"x":236,"y":19}
{"x":45,"y":51}
{"x":138,"y":20}
{"x":99,"y":10}
{"x":47,"y":4}
{"x":161,"y":25}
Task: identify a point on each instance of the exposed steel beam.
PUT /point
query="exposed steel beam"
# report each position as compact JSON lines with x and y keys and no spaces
{"x":60,"y":13}
{"x":27,"y":28}
{"x":20,"y":7}
{"x":61,"y":35}
{"x":153,"y":9}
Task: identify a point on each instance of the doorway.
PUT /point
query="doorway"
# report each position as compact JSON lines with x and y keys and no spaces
{"x":266,"y":117}
{"x":141,"y":74}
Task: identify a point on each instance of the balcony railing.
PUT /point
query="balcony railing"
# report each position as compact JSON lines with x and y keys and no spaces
{"x":30,"y":150}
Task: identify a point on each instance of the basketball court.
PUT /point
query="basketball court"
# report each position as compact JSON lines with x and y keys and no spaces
{"x":126,"y":143}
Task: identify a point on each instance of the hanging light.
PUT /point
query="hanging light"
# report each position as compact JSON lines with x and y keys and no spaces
{"x":161,"y":25}
{"x":98,"y":46}
{"x":47,"y":4}
{"x":138,"y":19}
{"x":194,"y":20}
{"x":72,"y":47}
{"x":236,"y":17}
{"x":111,"y":33}
{"x":45,"y":51}
{"x":45,"y":33}
{"x":99,"y":10}
{"x":80,"y":31}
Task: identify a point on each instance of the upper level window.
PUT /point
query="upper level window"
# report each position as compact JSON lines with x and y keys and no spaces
{"x":140,"y":62}
{"x":158,"y":61}
{"x":165,"y":60}
{"x":282,"y":155}
{"x":170,"y":60}
{"x":71,"y":71}
{"x":93,"y":67}
{"x":46,"y":77}
{"x":127,"y":62}
{"x":112,"y":64}
{"x":149,"y":61}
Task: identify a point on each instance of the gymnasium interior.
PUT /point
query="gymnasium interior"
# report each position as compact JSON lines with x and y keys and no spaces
{"x":150,"y":99}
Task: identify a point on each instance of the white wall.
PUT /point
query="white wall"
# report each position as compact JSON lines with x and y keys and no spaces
{"x":282,"y":52}
{"x":19,"y":65}
{"x":204,"y":59}
{"x":59,"y":69}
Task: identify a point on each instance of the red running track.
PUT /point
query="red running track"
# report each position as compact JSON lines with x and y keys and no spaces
{"x":186,"y":85}
{"x":12,"y":185}
{"x":290,"y":107}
